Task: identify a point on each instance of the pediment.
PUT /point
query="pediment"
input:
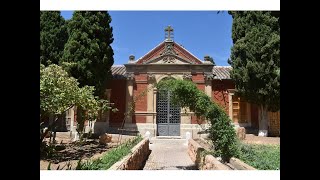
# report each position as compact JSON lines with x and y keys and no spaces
{"x":168,"y":59}
{"x":168,"y":52}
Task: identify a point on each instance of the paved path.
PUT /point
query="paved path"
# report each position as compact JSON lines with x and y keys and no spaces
{"x":169,"y":154}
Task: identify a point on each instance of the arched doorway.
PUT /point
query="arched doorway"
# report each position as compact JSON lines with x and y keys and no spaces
{"x":168,"y":115}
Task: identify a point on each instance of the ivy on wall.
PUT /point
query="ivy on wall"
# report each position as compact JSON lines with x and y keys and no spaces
{"x":221,"y":131}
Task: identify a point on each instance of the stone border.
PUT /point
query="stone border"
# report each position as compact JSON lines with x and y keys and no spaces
{"x":135,"y":159}
{"x":195,"y":151}
{"x":208,"y":162}
{"x":211,"y":163}
{"x":240,"y":165}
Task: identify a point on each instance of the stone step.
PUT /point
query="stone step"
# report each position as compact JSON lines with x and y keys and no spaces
{"x":168,"y":137}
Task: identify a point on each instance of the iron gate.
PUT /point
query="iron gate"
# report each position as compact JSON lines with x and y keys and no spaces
{"x":168,"y":115}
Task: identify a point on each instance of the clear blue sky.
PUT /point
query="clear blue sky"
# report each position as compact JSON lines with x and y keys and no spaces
{"x":200,"y":32}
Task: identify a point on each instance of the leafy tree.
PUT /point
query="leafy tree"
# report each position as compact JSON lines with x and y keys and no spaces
{"x":221,"y":131}
{"x":88,"y":46}
{"x":210,"y":59}
{"x":255,"y":58}
{"x":59,"y":92}
{"x":53,"y":36}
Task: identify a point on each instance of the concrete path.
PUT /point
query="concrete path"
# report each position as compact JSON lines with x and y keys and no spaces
{"x":169,"y":154}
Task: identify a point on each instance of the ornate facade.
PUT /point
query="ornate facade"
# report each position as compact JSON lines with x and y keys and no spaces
{"x":153,"y":112}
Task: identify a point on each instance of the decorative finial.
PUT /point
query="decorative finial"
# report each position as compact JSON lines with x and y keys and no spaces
{"x":131,"y":59}
{"x":206,"y":58}
{"x":168,"y":32}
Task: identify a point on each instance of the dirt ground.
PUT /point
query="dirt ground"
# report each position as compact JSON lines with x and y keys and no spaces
{"x":254,"y":139}
{"x":73,"y":151}
{"x":250,"y":139}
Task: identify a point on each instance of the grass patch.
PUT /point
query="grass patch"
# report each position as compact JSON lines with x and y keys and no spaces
{"x":262,"y":157}
{"x":113,"y":156}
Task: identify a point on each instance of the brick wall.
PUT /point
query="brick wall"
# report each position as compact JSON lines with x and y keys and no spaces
{"x":140,"y":87}
{"x":220,"y":94}
{"x":135,"y":160}
{"x":198,"y":77}
{"x":118,"y":97}
{"x":199,"y":80}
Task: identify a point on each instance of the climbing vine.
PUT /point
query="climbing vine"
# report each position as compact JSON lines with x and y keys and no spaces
{"x":221,"y":131}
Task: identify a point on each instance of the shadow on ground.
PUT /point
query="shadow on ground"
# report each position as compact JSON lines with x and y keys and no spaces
{"x":145,"y":161}
{"x":76,"y":151}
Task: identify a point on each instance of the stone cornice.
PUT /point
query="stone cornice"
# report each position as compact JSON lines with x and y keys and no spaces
{"x":208,"y":76}
{"x":174,"y":68}
{"x":129,"y":76}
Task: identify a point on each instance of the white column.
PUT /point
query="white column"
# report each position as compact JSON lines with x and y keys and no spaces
{"x":208,"y":87}
{"x":149,"y":118}
{"x":154,"y":104}
{"x":230,"y":106}
{"x":129,"y":94}
{"x":230,"y":94}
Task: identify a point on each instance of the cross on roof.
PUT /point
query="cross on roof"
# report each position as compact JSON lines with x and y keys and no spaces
{"x":168,"y":31}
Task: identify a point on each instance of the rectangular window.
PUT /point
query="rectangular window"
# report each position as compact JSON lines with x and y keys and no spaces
{"x":243,"y":112}
{"x":235,"y":108}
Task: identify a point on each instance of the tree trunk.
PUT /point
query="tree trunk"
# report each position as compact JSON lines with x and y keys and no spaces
{"x":57,"y":117}
{"x":80,"y":122}
{"x":263,"y":121}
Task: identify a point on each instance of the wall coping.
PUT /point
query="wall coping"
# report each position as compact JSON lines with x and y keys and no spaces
{"x":235,"y":162}
{"x":240,"y":165}
{"x":116,"y":165}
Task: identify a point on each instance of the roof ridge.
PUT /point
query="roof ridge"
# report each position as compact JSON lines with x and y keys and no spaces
{"x":149,"y":52}
{"x":180,"y":45}
{"x":221,"y":66}
{"x":118,"y":65}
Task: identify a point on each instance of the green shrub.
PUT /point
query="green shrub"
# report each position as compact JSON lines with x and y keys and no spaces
{"x":263,"y":157}
{"x":222,"y":133}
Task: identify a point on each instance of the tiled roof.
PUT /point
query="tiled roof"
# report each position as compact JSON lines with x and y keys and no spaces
{"x":118,"y":71}
{"x":221,"y":72}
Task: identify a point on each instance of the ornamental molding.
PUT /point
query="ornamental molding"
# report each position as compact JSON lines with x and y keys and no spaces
{"x":209,"y":76}
{"x":187,"y":76}
{"x":129,"y":76}
{"x":151,"y":76}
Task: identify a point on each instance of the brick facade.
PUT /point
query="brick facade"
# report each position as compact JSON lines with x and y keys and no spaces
{"x":140,"y":95}
{"x":219,"y":93}
{"x":118,"y":97}
{"x":171,"y":60}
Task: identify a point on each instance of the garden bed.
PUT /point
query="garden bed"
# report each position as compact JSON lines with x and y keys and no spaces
{"x":251,"y":156}
{"x":72,"y":152}
{"x":77,"y":150}
{"x":201,"y":152}
{"x":262,"y":157}
{"x":105,"y":161}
